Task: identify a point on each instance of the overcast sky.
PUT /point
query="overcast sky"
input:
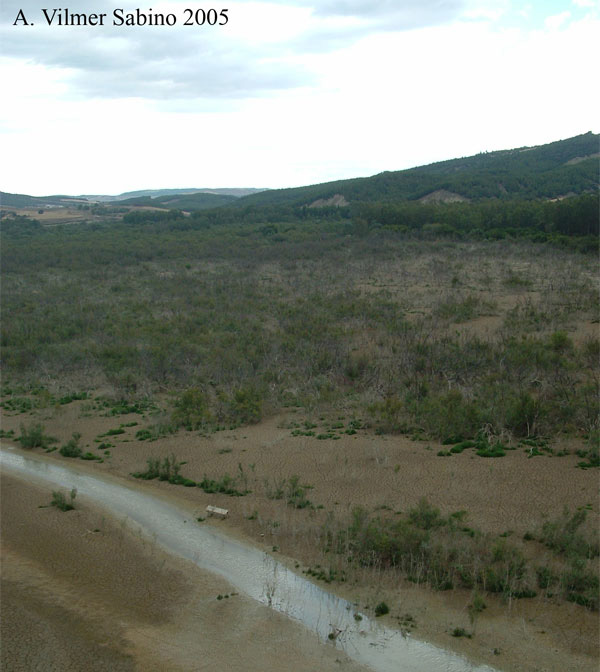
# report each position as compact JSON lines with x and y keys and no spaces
{"x":287,"y":93}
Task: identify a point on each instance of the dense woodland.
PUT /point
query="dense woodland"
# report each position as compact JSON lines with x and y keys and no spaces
{"x":548,"y":171}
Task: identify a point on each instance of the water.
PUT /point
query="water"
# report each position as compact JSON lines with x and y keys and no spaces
{"x":251,"y":571}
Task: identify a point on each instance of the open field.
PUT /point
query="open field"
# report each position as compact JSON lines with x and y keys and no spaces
{"x":53,"y":216}
{"x":84,"y":214}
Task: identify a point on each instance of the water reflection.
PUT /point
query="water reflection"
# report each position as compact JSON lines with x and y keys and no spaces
{"x":251,"y":571}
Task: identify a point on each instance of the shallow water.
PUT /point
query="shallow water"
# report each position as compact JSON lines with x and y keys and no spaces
{"x":250,"y":571}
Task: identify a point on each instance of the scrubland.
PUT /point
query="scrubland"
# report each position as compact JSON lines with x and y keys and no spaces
{"x":408,"y":421}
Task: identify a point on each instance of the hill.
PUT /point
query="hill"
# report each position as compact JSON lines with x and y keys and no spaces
{"x":25,"y":201}
{"x":547,"y":171}
{"x":200,"y":198}
{"x":237,"y":192}
{"x":193,"y":201}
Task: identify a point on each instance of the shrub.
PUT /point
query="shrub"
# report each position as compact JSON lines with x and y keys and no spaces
{"x":169,"y":469}
{"x":72,"y":447}
{"x":545,"y":577}
{"x":425,"y":516}
{"x":449,"y":417}
{"x":562,"y":535}
{"x":463,"y":445}
{"x":75,"y":396}
{"x":523,"y":414}
{"x":496,"y":450}
{"x":245,"y":406}
{"x":192,"y":410}
{"x":382,"y":609}
{"x":226,"y":485}
{"x":388,"y":414}
{"x":34,"y":437}
{"x":60,"y":501}
{"x":152,"y":470}
{"x":580,"y":585}
{"x":592,"y":454}
{"x":476,"y":607}
{"x":296,"y":493}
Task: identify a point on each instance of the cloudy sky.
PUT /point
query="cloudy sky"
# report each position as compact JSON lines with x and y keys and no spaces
{"x":286,"y":93}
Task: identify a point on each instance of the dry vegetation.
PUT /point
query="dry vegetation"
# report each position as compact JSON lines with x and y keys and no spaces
{"x":414,"y":422}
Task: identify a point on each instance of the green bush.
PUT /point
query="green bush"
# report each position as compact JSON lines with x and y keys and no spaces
{"x":431,"y":549}
{"x":523,"y":414}
{"x":449,"y":417}
{"x":59,"y":500}
{"x":34,"y":437}
{"x":245,"y":407}
{"x":18,"y":404}
{"x":425,"y":516}
{"x":591,"y":454}
{"x":382,"y":609}
{"x":74,"y":396}
{"x":562,"y":536}
{"x":192,"y":410}
{"x":389,"y":415}
{"x":72,"y":447}
{"x":581,"y":585}
{"x":226,"y":485}
{"x":463,"y":445}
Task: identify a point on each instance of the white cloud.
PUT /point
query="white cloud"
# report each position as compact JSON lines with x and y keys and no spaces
{"x":123,"y":113}
{"x":557,"y":20}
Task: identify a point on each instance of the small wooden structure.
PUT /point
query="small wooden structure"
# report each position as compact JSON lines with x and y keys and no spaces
{"x":216,"y":511}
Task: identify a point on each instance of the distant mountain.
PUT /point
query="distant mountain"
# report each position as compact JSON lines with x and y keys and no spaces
{"x":182,"y":201}
{"x":546,"y":171}
{"x":225,"y":195}
{"x":550,"y":171}
{"x":157,"y":193}
{"x":24,"y":201}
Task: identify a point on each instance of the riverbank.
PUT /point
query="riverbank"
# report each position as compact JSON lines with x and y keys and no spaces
{"x":524,"y":630}
{"x":83,"y":590}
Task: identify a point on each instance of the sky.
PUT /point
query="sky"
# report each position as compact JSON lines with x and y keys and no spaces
{"x":286,"y":93}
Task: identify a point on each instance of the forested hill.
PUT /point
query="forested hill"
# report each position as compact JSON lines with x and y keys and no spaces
{"x":181,"y":199}
{"x":547,"y":171}
{"x":25,"y":201}
{"x":195,"y":201}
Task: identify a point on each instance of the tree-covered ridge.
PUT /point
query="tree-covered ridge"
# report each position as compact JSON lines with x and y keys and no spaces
{"x":195,"y":201}
{"x":24,"y":201}
{"x":526,"y":173}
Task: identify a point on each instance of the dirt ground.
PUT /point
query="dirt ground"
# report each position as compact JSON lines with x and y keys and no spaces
{"x":82,"y":591}
{"x":510,"y":496}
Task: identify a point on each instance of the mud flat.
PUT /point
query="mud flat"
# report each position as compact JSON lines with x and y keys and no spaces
{"x":259,"y":582}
